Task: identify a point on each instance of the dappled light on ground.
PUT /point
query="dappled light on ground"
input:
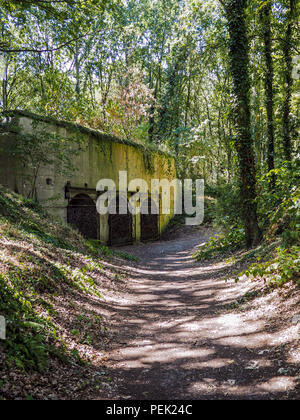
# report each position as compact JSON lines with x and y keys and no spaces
{"x":177,"y":338}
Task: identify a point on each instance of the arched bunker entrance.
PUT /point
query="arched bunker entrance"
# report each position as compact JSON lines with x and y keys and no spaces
{"x":120,"y":225}
{"x":149,"y":221}
{"x":83,"y":215}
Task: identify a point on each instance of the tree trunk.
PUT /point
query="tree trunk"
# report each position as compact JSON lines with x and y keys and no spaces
{"x":269,"y":77}
{"x":151,"y":133}
{"x":229,"y":153}
{"x":188,"y":99}
{"x":239,"y":61}
{"x":152,"y":109}
{"x":287,"y":51}
{"x":4,"y":84}
{"x":77,"y":71}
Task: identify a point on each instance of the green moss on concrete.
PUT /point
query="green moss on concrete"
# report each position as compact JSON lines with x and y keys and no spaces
{"x":101,"y":157}
{"x":102,"y":137}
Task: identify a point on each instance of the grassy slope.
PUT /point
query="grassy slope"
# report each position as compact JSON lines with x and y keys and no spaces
{"x":52,"y":283}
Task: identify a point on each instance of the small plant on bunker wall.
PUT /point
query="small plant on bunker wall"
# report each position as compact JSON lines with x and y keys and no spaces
{"x":42,"y":149}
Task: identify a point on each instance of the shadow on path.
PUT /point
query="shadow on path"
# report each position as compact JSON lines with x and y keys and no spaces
{"x":177,"y":339}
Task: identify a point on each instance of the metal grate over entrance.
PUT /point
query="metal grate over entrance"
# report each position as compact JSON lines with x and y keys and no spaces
{"x":120,"y":225}
{"x":150,"y":221}
{"x":83,"y":215}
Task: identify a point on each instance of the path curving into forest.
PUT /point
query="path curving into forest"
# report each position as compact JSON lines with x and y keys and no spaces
{"x":178,"y":339}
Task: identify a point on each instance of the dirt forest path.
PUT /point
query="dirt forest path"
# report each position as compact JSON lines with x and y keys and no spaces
{"x":178,"y":339}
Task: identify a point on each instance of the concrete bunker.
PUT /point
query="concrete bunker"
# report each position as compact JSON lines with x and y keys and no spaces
{"x":73,"y":197}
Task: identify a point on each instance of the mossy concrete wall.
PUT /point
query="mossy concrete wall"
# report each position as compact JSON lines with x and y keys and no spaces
{"x":102,"y":157}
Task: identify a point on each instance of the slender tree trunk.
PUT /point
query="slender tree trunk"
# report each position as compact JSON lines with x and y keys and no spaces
{"x":208,"y":115}
{"x":77,"y":71}
{"x":3,"y":71}
{"x":151,"y":124}
{"x":219,"y":164}
{"x":4,"y":84}
{"x":239,"y":57}
{"x":269,"y":77}
{"x":287,"y":50}
{"x":151,"y":132}
{"x":188,"y":99}
{"x":152,"y":109}
{"x":229,"y":154}
{"x":105,"y":93}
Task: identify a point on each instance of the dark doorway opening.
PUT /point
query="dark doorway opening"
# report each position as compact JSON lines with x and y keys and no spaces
{"x":150,"y":221}
{"x":120,"y":225}
{"x":83,"y":215}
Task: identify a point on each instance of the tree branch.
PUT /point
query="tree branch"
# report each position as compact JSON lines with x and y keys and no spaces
{"x":47,"y":1}
{"x":6,"y":50}
{"x":285,"y":42}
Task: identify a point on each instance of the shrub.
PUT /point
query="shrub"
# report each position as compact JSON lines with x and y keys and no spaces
{"x":30,"y":339}
{"x":281,"y":269}
{"x":279,"y":209}
{"x":224,"y":208}
{"x":221,"y":243}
